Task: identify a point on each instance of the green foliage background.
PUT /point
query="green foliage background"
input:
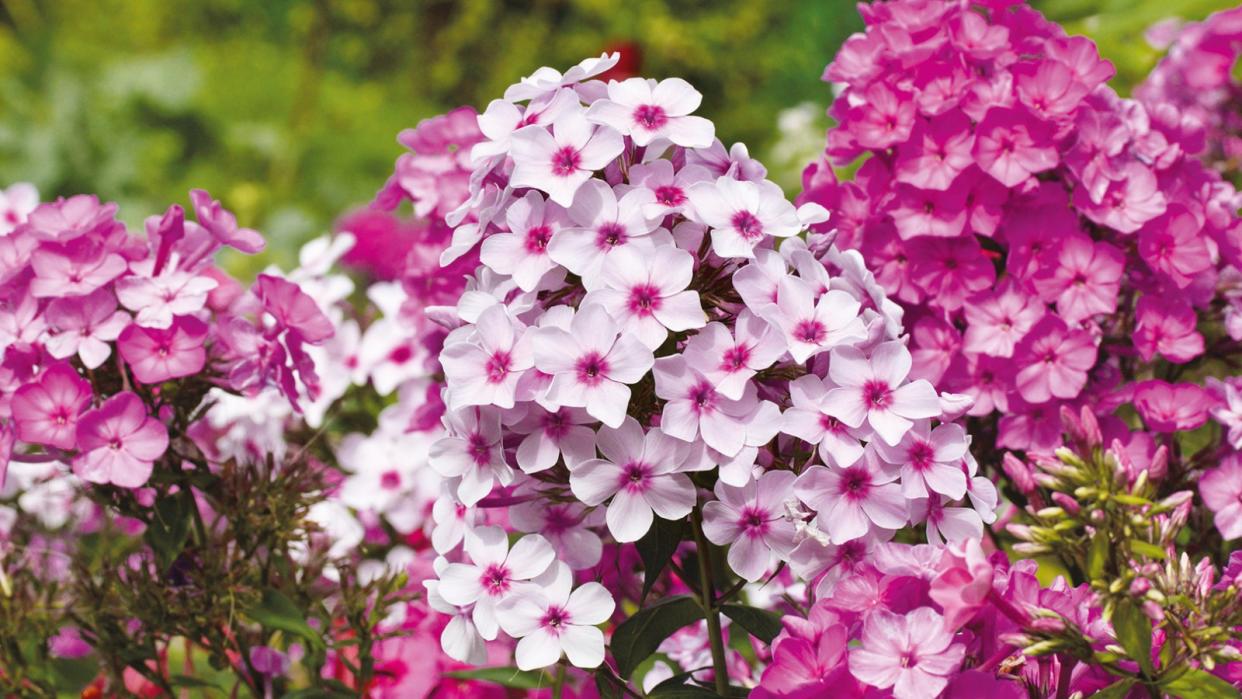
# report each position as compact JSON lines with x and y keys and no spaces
{"x":288,"y":109}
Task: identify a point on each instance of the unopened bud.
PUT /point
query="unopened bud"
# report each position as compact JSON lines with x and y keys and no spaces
{"x":1050,"y":513}
{"x":1042,"y":648}
{"x":1069,"y":504}
{"x":1048,"y":625}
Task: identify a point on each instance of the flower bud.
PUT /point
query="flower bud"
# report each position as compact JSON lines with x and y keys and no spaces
{"x":1068,"y":503}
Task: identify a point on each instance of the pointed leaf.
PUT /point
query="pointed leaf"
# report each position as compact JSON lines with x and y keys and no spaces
{"x":1133,"y":630}
{"x":760,"y":623}
{"x":639,"y":636}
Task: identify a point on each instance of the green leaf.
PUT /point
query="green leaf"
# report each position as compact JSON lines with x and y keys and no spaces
{"x":73,"y":674}
{"x":682,"y":691}
{"x":1097,"y":556}
{"x":1197,"y":684}
{"x":1133,"y":630}
{"x":505,"y":677}
{"x":657,"y":548}
{"x":1147,"y":549}
{"x":194,"y":683}
{"x":276,"y":611}
{"x":607,"y":685}
{"x":639,"y":636}
{"x":170,"y":528}
{"x":1116,"y":690}
{"x":760,"y":623}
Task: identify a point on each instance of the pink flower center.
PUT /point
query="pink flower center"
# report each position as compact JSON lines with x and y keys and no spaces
{"x":703,"y":397}
{"x":855,"y":483}
{"x":747,"y":225}
{"x":877,"y":395}
{"x":557,"y":520}
{"x":555,"y":425}
{"x":498,"y":367}
{"x":115,"y":444}
{"x":829,"y":423}
{"x":636,"y":477}
{"x":554,"y":619}
{"x":592,"y":369}
{"x":922,"y":456}
{"x":478,"y":448}
{"x":391,"y":480}
{"x":401,"y":355}
{"x":735,"y":358}
{"x":644,"y":300}
{"x":811,"y":332}
{"x":754,"y":521}
{"x":670,"y":195}
{"x":650,"y":116}
{"x":495,"y":580}
{"x":610,"y":235}
{"x":537,"y":239}
{"x":565,"y":161}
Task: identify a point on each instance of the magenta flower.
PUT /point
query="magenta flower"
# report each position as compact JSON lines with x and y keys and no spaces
{"x":1168,"y":327}
{"x":647,"y":112}
{"x":1175,"y":246}
{"x":159,"y":355}
{"x":85,"y":326}
{"x":938,"y":151}
{"x":1054,"y":361}
{"x":751,"y":521}
{"x":962,"y":583}
{"x":997,"y":320}
{"x":559,"y":161}
{"x":222,"y":224}
{"x":1132,"y":199}
{"x":118,"y":442}
{"x":913,"y":654}
{"x":949,"y":270}
{"x":1011,"y":146}
{"x":851,"y":502}
{"x":873,"y":390}
{"x":46,"y":412}
{"x":1221,"y":490}
{"x":1082,"y":277}
{"x":293,"y":309}
{"x":68,"y":219}
{"x":1169,"y":407}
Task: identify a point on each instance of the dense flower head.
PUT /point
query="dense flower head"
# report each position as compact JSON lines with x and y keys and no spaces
{"x":1051,"y":242}
{"x":646,"y":341}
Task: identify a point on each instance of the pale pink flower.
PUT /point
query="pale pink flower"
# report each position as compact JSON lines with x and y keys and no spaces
{"x":484,"y":369}
{"x":962,"y":582}
{"x":502,"y":118}
{"x":553,"y":621}
{"x":695,"y":408}
{"x":808,"y":421}
{"x":494,"y":573}
{"x":602,"y":224}
{"x":118,"y":442}
{"x":522,"y":252}
{"x":872,"y":390}
{"x":730,"y":359}
{"x":642,"y":473}
{"x":741,"y":214}
{"x":547,"y":79}
{"x":472,"y":451}
{"x":155,"y":300}
{"x":222,"y":224}
{"x":85,"y":326}
{"x":930,"y":460}
{"x":560,"y":161}
{"x":914,"y":654}
{"x":646,"y":111}
{"x":16,"y":203}
{"x":647,"y":293}
{"x":157,"y":355}
{"x":944,"y":523}
{"x":810,"y":325}
{"x":591,"y":364}
{"x":75,"y":273}
{"x":569,"y":526}
{"x":668,"y":188}
{"x":751,"y":521}
{"x":850,"y":502}
{"x":46,"y":412}
{"x":1221,"y":490}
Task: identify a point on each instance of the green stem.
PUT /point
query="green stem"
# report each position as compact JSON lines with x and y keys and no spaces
{"x":714,"y":634}
{"x":558,"y":686}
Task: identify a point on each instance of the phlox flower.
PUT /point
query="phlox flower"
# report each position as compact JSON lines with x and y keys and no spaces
{"x":118,"y":442}
{"x":1083,"y":278}
{"x":997,"y":320}
{"x":71,"y":218}
{"x":502,"y":118}
{"x":914,"y":654}
{"x":646,"y":111}
{"x":1176,"y":246}
{"x":495,"y":572}
{"x":553,"y":435}
{"x":1228,"y":409}
{"x":949,"y":270}
{"x":558,"y":620}
{"x":602,"y":224}
{"x":873,"y":390}
{"x":1168,"y":327}
{"x":567,"y":526}
{"x":729,"y":359}
{"x":1054,"y":360}
{"x":647,"y":293}
{"x":751,"y":521}
{"x":962,"y":582}
{"x":695,"y":409}
{"x":16,"y":203}
{"x":1167,"y":407}
{"x":937,"y":152}
{"x":75,"y":272}
{"x":157,"y":355}
{"x":945,"y":523}
{"x":472,"y":452}
{"x":1131,"y":200}
{"x":642,"y":473}
{"x":1221,"y":490}
{"x":46,"y":412}
{"x":851,"y":502}
{"x":85,"y":326}
{"x":523,"y":251}
{"x":293,"y":309}
{"x":668,"y":187}
{"x":156,"y":299}
{"x":813,"y":325}
{"x":222,"y":224}
{"x":559,"y":161}
{"x":591,"y":363}
{"x":485,"y":368}
{"x":808,"y":421}
{"x":740,"y":214}
{"x":1011,"y":146}
{"x":930,"y":460}
{"x":547,"y":79}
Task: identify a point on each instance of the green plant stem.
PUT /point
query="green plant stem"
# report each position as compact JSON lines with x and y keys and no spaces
{"x":714,"y":634}
{"x":558,"y":686}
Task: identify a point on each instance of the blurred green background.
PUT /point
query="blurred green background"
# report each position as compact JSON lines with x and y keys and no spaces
{"x":288,"y":109}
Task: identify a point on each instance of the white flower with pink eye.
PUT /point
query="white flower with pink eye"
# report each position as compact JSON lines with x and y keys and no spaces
{"x":730,"y":359}
{"x":930,"y":460}
{"x":522,"y":253}
{"x":471,"y":452}
{"x":751,"y":521}
{"x":647,"y":293}
{"x":590,"y":365}
{"x":552,"y":435}
{"x":460,"y":639}
{"x":851,"y":502}
{"x":951,"y":524}
{"x":452,"y":521}
{"x":495,"y":573}
{"x":812,"y":326}
{"x":808,"y":421}
{"x":758,"y":281}
{"x":485,"y":369}
{"x":547,"y":79}
{"x":85,"y":326}
{"x":16,"y":203}
{"x":642,"y":473}
{"x":668,"y":188}
{"x":553,"y":621}
{"x":566,"y":525}
{"x":696,"y":408}
{"x":560,"y":161}
{"x":502,"y":118}
{"x":646,"y":111}
{"x":741,"y":214}
{"x":871,"y":391}
{"x":602,"y":224}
